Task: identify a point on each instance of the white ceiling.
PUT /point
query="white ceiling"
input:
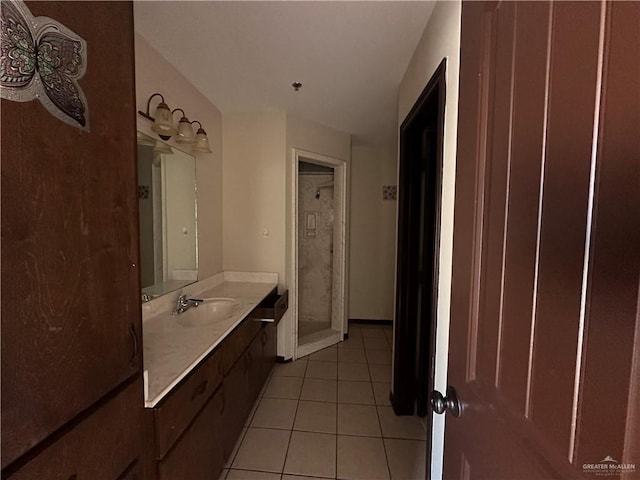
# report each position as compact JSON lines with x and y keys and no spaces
{"x":350,"y":56}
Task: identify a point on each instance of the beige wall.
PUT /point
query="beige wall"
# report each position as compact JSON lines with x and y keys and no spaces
{"x":155,"y":74}
{"x":254,"y":191}
{"x":441,"y":39}
{"x":313,"y":137}
{"x":372,"y":233}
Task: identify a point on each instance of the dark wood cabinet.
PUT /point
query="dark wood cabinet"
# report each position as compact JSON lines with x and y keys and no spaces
{"x":255,"y":370}
{"x":198,"y":454}
{"x":102,"y":446}
{"x":173,"y":415}
{"x":190,"y":435}
{"x":238,"y":341}
{"x":71,"y":322}
{"x":269,"y":348}
{"x":237,"y":403}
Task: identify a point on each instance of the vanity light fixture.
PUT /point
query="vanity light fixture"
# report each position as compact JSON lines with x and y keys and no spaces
{"x":163,"y":126}
{"x":202,"y":142}
{"x":185,"y":130}
{"x":162,"y":121}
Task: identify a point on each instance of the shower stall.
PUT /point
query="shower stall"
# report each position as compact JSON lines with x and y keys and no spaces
{"x":315,"y":248}
{"x":320,"y":277}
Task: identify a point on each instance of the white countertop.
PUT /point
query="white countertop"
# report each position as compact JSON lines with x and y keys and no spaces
{"x":171,"y":350}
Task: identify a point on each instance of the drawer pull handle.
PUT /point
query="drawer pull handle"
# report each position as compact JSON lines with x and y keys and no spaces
{"x":199,"y":390}
{"x":134,"y":341}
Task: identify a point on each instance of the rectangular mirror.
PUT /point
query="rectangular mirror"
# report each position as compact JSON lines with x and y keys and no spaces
{"x":168,"y":212}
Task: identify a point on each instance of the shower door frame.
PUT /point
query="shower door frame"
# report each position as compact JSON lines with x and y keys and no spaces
{"x":339,"y":275}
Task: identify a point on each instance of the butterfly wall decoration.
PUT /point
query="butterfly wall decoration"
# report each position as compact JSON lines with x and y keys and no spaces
{"x":42,"y":59}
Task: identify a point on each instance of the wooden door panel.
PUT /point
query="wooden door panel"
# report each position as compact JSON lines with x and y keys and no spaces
{"x":615,"y":257}
{"x":571,"y":104}
{"x":528,"y":110}
{"x":71,"y":304}
{"x":495,"y":201}
{"x":545,"y":288}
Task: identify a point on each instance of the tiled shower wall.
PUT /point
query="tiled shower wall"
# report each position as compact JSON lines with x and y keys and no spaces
{"x":315,"y":252}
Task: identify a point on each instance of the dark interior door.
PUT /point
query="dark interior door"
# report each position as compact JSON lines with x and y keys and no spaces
{"x":546,"y":263}
{"x":420,"y":187}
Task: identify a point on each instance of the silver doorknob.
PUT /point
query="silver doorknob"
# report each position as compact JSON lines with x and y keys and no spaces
{"x":440,"y":404}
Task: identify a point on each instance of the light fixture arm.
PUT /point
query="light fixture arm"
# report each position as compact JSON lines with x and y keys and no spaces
{"x":146,"y":114}
{"x":164,"y":127}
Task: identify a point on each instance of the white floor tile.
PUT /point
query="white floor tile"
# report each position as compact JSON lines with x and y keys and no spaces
{"x":262,"y":449}
{"x":361,"y":458}
{"x":358,"y":420}
{"x":311,"y":454}
{"x":316,"y":417}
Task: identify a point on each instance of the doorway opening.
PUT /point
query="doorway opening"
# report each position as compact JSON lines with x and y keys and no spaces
{"x":420,"y":192}
{"x":319,"y":265}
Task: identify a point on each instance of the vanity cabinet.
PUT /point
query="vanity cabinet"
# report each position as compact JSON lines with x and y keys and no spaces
{"x":269,"y":348}
{"x":173,"y":415}
{"x":71,"y":318}
{"x":198,"y":454}
{"x":193,"y":430}
{"x":270,"y":312}
{"x":238,"y":403}
{"x":255,"y":370}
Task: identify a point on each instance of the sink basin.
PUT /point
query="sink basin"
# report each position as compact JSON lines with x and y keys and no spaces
{"x":210,"y":311}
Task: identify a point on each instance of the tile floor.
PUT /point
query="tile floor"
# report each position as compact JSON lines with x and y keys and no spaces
{"x":328,"y":416}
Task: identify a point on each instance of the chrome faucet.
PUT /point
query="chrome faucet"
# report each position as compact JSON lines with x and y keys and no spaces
{"x":184,"y":303}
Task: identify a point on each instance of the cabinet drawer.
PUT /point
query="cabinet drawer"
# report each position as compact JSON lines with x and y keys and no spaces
{"x":272,"y":308}
{"x":175,"y":413}
{"x":236,"y":403}
{"x":101,"y":447}
{"x":238,"y":341}
{"x":269,"y":348}
{"x":198,"y":453}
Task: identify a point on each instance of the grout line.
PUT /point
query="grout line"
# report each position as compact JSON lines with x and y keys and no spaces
{"x":382,"y":437}
{"x":286,"y":454}
{"x":337,"y":451}
{"x":295,"y":415}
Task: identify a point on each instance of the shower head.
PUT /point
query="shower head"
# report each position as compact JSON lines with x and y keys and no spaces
{"x":326,"y":185}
